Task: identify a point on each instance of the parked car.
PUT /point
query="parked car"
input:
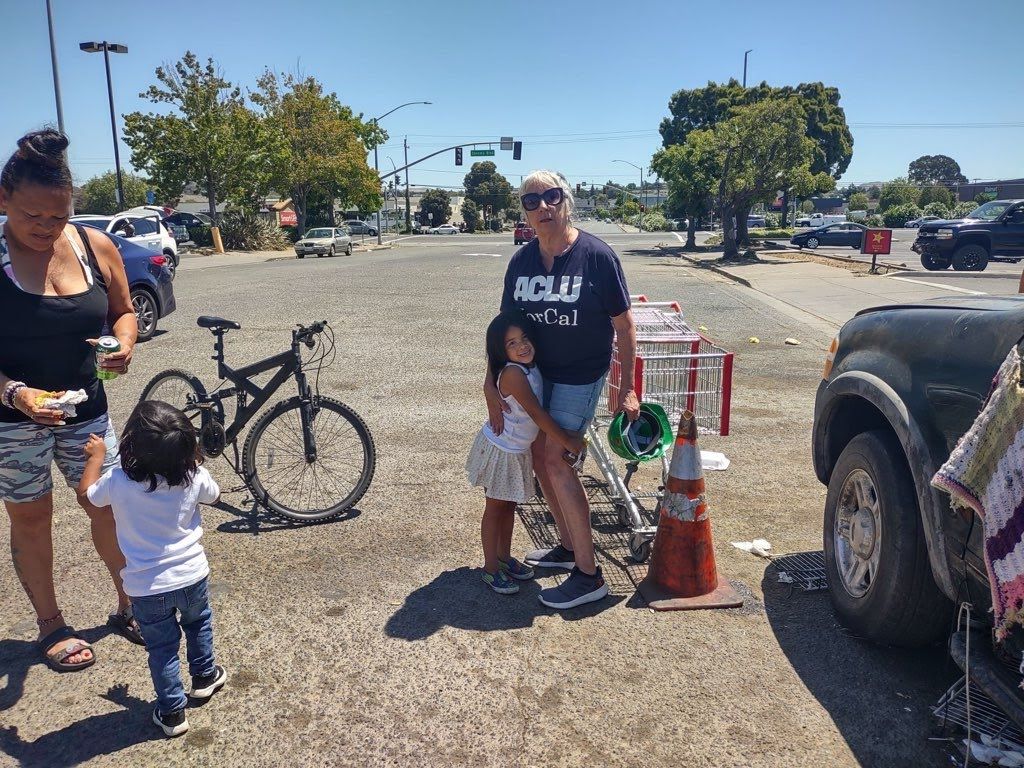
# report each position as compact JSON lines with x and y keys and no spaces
{"x":849,"y":234}
{"x":151,"y":282}
{"x":755,"y":221}
{"x":914,"y":223}
{"x":145,"y":230}
{"x":819,"y":220}
{"x":991,"y":232}
{"x":357,"y":227}
{"x":180,"y":222}
{"x":900,"y":386}
{"x":329,"y":241}
{"x":523,"y":233}
{"x":444,"y":229}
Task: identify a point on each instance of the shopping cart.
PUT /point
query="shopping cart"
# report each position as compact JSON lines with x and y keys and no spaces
{"x":678,"y":369}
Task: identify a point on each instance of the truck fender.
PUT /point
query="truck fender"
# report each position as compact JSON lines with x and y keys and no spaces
{"x":932,"y":502}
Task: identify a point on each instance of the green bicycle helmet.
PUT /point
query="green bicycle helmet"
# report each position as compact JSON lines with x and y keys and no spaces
{"x":645,"y":439}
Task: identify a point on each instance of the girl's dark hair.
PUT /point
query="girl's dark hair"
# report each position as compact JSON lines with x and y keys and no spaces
{"x":159,"y":442}
{"x":497,"y":356}
{"x":40,"y":159}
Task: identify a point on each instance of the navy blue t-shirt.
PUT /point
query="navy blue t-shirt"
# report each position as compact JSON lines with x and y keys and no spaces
{"x":572,"y":306}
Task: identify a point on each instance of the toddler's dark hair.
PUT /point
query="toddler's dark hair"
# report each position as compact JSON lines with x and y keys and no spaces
{"x":41,"y":159}
{"x":497,"y":356}
{"x":159,"y":442}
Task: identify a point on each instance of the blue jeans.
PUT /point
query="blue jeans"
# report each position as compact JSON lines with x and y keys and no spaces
{"x":161,"y":629}
{"x":572,"y":406}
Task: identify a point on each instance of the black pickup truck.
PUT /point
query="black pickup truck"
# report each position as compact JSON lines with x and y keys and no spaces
{"x":992,"y":232}
{"x":901,"y":385}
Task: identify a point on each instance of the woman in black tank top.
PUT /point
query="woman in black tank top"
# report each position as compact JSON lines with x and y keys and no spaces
{"x":59,"y":287}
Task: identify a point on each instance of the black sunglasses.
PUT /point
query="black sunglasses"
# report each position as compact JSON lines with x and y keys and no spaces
{"x":553,"y":197}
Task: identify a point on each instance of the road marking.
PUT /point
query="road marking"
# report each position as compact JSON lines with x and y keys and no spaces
{"x":492,"y":255}
{"x":938,"y":285}
{"x":679,"y":238}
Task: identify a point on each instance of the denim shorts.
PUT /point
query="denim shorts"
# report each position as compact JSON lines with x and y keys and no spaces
{"x":572,"y":406}
{"x":27,"y":450}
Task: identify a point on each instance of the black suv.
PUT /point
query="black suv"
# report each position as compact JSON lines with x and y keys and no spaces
{"x":901,"y":385}
{"x":992,"y":232}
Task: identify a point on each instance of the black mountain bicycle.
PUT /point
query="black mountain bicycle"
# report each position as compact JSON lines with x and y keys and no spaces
{"x":306,"y":458}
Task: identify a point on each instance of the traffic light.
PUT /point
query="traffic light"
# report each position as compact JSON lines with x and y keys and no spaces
{"x":458,"y":155}
{"x":517,"y":150}
{"x":577,"y":189}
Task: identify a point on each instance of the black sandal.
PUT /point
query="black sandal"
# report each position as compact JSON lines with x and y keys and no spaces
{"x":125,"y":623}
{"x":57,"y":660}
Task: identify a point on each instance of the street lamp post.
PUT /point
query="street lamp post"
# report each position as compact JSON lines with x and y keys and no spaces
{"x":750,"y":50}
{"x":376,"y":121}
{"x":93,"y":47}
{"x":640,"y":216}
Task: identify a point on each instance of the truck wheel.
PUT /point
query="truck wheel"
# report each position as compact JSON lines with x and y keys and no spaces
{"x":932,"y":262}
{"x":970,"y":258}
{"x":876,"y":559}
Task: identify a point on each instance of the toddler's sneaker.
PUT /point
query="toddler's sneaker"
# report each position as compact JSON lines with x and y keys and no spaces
{"x":515,"y":569}
{"x":556,"y":557}
{"x":499,"y":582}
{"x":204,"y":686}
{"x":173,"y":723}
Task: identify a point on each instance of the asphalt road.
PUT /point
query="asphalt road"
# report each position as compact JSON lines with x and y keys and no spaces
{"x":371,"y":640}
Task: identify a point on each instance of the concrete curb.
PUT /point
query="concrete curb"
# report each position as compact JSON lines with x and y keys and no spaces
{"x":845,"y":259}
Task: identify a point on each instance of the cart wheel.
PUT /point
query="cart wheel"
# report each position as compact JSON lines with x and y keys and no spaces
{"x":639,"y":548}
{"x":622,"y":511}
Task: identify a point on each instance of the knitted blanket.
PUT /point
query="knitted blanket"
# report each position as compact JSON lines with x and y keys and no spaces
{"x":985,"y":473}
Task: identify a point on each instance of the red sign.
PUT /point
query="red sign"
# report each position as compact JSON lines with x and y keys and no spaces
{"x":289,"y":219}
{"x":877,"y":241}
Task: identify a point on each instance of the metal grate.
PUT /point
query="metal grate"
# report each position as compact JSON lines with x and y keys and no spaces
{"x":986,"y":718}
{"x":806,"y":569}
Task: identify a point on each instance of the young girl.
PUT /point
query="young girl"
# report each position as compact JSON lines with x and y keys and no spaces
{"x":501,"y":464}
{"x":155,"y":495}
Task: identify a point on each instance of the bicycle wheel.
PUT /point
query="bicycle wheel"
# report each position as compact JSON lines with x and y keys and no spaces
{"x":275,"y":466}
{"x":178,"y":388}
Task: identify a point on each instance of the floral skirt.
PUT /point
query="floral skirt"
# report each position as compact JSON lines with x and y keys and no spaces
{"x":503,"y":475}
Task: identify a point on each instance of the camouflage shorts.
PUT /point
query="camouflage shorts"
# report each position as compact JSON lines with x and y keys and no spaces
{"x":28,"y":449}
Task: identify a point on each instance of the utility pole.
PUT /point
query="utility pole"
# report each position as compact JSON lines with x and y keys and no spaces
{"x":376,"y":122}
{"x":751,"y":50}
{"x":408,"y":214}
{"x":56,"y":75}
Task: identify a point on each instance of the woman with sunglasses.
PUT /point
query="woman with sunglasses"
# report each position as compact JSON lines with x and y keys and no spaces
{"x":571,"y":285}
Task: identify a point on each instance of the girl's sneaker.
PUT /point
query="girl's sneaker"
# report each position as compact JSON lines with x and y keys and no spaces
{"x":500,"y":583}
{"x":515,"y":569}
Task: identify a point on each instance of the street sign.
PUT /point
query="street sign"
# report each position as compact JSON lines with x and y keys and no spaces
{"x":506,"y":143}
{"x":150,"y":197}
{"x":875,"y":242}
{"x":481,"y":153}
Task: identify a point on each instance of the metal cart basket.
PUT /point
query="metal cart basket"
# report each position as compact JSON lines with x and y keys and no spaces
{"x":678,"y":369}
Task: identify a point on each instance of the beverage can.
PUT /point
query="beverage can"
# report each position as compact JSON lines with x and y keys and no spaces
{"x":106,"y":345}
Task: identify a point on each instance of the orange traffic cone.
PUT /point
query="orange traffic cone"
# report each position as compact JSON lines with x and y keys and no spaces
{"x":682,"y":575}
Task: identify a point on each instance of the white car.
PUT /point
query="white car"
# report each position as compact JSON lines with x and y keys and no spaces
{"x":321,"y":241}
{"x":146,"y":230}
{"x":445,"y":229}
{"x":915,"y":223}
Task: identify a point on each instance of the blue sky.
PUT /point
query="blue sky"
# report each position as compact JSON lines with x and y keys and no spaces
{"x":581,"y":83}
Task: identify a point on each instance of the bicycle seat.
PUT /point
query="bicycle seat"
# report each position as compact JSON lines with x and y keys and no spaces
{"x":216,"y":323}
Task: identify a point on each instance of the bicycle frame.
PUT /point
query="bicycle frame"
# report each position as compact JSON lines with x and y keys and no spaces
{"x":289,"y":364}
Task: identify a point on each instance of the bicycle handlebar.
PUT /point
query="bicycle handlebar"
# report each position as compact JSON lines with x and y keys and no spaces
{"x":305,"y":334}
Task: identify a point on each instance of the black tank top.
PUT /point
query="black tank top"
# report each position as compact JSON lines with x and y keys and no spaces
{"x":43,"y":338}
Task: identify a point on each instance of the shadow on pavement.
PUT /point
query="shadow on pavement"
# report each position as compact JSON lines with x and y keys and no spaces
{"x":86,"y":739}
{"x":458,"y":598}
{"x":879,"y":698}
{"x":255,"y":520}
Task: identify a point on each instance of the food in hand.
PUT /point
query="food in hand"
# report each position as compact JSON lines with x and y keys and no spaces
{"x":65,"y":403}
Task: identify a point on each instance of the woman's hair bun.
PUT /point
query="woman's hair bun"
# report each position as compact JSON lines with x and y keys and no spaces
{"x":45,"y":147}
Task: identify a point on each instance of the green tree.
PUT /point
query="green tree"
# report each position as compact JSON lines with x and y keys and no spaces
{"x":807,"y":206}
{"x":897,"y":192}
{"x":937,"y":209}
{"x":99,"y":194}
{"x":936,"y":194}
{"x":438,"y":203}
{"x":899,"y":215}
{"x":960,"y":210}
{"x":691,"y":175}
{"x":936,"y":169}
{"x":984,"y":197}
{"x":470,"y":215}
{"x":204,"y":139}
{"x":858,"y":202}
{"x":486,"y":187}
{"x":324,"y":144}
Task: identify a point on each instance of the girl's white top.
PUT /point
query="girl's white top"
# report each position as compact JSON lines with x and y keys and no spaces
{"x":159,"y":532}
{"x":520,"y":430}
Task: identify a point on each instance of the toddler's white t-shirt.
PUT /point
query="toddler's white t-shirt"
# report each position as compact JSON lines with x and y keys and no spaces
{"x":159,"y":532}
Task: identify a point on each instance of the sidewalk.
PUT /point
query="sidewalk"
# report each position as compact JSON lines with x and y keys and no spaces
{"x":831,"y":294}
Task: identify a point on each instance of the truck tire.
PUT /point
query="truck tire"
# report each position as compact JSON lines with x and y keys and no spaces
{"x":876,"y":559}
{"x":970,"y":258}
{"x":934,"y":263}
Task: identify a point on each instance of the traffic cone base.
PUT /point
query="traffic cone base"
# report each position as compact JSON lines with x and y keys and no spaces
{"x":723,"y":596}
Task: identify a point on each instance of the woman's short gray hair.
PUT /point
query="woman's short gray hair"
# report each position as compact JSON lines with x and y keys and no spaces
{"x":548,"y":179}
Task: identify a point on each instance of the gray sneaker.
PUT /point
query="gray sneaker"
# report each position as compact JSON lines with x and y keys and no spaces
{"x":575,"y":590}
{"x":556,"y":557}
